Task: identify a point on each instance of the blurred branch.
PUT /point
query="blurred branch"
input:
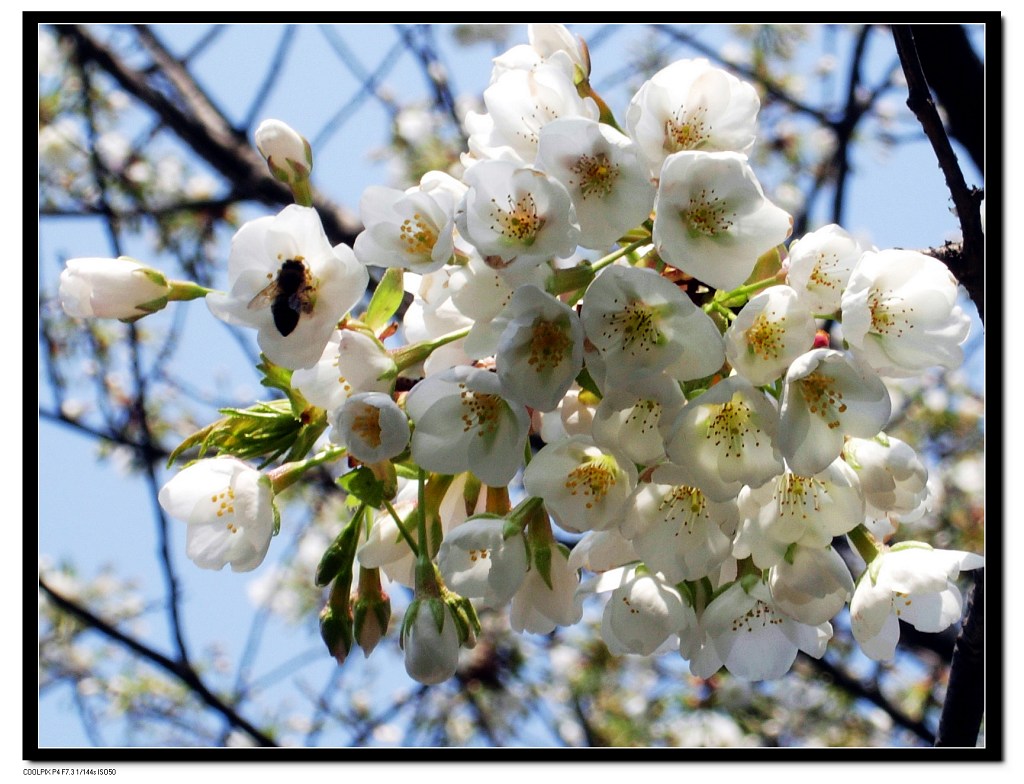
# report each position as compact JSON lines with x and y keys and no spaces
{"x":964,"y":707}
{"x":972,"y":270}
{"x":183,"y":672}
{"x":274,"y":70}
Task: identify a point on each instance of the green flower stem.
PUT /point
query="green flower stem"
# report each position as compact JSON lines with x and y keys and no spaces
{"x":288,"y":474}
{"x":402,"y":529}
{"x":747,"y":289}
{"x":718,"y":307}
{"x":407,"y":356}
{"x":302,"y":192}
{"x":585,"y":90}
{"x":614,"y":256}
{"x":865,"y":543}
{"x":182,"y":290}
{"x":517,"y":519}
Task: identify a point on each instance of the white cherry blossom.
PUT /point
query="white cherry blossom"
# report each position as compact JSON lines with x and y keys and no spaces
{"x":478,"y":562}
{"x":412,"y":229}
{"x":811,"y":584}
{"x":351,"y":362}
{"x":371,"y":426}
{"x":820,"y":264}
{"x":772,"y":330}
{"x":643,"y":612}
{"x":110,"y":288}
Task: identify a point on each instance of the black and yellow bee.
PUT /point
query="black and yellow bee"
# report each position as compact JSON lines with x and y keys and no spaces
{"x":289,"y":295}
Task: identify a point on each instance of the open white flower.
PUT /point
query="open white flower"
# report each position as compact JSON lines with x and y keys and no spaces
{"x":636,"y":418}
{"x":464,"y":422}
{"x":540,"y":351}
{"x":517,"y":215}
{"x":604,"y":174}
{"x":828,"y":396}
{"x":712,"y":218}
{"x":900,"y":313}
{"x":912,"y":582}
{"x":772,"y":330}
{"x":726,"y":438}
{"x":641,"y":323}
{"x":290,"y":284}
{"x":371,"y":426}
{"x":892,"y":475}
{"x":351,"y":362}
{"x":538,"y":607}
{"x":820,"y":264}
{"x":811,"y":585}
{"x":584,"y":486}
{"x":412,"y":229}
{"x":478,"y":562}
{"x":229,"y":509}
{"x":643,"y":612}
{"x":691,"y":105}
{"x":118,"y":288}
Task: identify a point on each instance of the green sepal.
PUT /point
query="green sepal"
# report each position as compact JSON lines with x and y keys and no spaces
{"x":408,"y":620}
{"x":586,"y":381}
{"x":790,"y":554}
{"x":466,"y":621}
{"x":336,"y":632}
{"x":912,"y":545}
{"x":337,"y":558}
{"x":748,"y":581}
{"x":365,"y":486}
{"x":386,"y":299}
{"x":153,"y":305}
{"x":542,"y":560}
{"x":155,"y":277}
{"x":437,"y":610}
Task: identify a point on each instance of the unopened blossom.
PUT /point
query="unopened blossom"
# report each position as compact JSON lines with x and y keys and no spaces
{"x":599,"y":551}
{"x":828,"y":396}
{"x":772,"y":330}
{"x":643,"y":612}
{"x":641,"y":323}
{"x":352,"y":362}
{"x":573,"y":417}
{"x":892,"y":475}
{"x":464,"y":422}
{"x":726,"y":438}
{"x":289,"y":284}
{"x":118,"y":288}
{"x":584,"y":486}
{"x":636,"y":418}
{"x":820,"y":264}
{"x":478,"y":562}
{"x":371,"y":426}
{"x":911,"y":582}
{"x":712,"y":218}
{"x":517,"y":215}
{"x":692,"y":105}
{"x":229,"y":509}
{"x":795,"y":509}
{"x":747,"y":633}
{"x":900,"y":313}
{"x":430,"y":640}
{"x":412,"y":229}
{"x":286,"y":151}
{"x":540,"y":351}
{"x":676,"y":529}
{"x":539,"y":607}
{"x":602,"y":171}
{"x":811,"y":584}
{"x":547,"y":39}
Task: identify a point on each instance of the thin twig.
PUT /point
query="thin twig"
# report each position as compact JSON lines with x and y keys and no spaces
{"x":964,"y":707}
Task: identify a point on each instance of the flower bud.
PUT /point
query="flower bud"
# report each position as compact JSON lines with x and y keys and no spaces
{"x":430,"y":639}
{"x":372,"y":611}
{"x":336,"y":631}
{"x":118,"y":288}
{"x":288,"y":154}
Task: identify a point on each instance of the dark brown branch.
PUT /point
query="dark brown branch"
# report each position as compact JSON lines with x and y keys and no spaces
{"x":965,"y":695}
{"x":184,"y":673}
{"x":965,"y":200}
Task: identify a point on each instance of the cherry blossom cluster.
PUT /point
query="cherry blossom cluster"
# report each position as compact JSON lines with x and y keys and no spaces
{"x":679,"y":431}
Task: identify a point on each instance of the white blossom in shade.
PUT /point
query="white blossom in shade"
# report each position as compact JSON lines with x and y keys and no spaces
{"x":412,"y":229}
{"x":478,"y":562}
{"x":828,"y":396}
{"x":584,"y":486}
{"x":748,"y":634}
{"x":517,"y":215}
{"x":521,"y":101}
{"x":676,"y":529}
{"x":371,"y":426}
{"x":602,"y":171}
{"x":599,"y":551}
{"x":637,"y":418}
{"x":641,"y":323}
{"x":110,"y":288}
{"x":335,"y":282}
{"x":643,"y":613}
{"x":540,"y":351}
{"x":691,"y":105}
{"x":229,"y":509}
{"x":385,"y":548}
{"x":464,"y":422}
{"x":430,"y":639}
{"x":726,"y":438}
{"x":892,"y":475}
{"x":573,"y":417}
{"x":772,"y":330}
{"x":911,"y":582}
{"x":351,"y":362}
{"x":900,"y":313}
{"x":538,"y":607}
{"x":426,"y":322}
{"x":547,"y":39}
{"x":794,"y":509}
{"x":811,"y":585}
{"x":820,"y":264}
{"x":712,"y":218}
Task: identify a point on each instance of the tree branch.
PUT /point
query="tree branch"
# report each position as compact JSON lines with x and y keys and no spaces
{"x":965,"y":695}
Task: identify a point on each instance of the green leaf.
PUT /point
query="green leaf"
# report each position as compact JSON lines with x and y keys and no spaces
{"x":365,"y":486}
{"x":387,"y":298}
